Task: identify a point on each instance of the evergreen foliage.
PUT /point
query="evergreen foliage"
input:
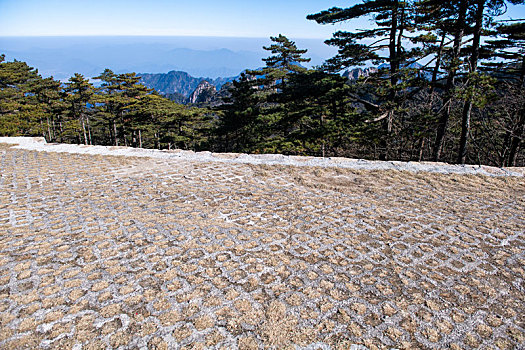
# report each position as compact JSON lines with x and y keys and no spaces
{"x":121,"y":112}
{"x":449,"y":85}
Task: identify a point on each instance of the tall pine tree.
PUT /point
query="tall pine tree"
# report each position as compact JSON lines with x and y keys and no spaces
{"x":79,"y":98}
{"x":385,"y":43}
{"x":507,"y":53}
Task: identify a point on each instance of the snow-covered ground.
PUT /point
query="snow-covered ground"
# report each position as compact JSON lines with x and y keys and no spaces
{"x":39,"y":144}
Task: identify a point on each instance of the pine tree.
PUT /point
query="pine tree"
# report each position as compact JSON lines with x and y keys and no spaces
{"x":393,"y":22}
{"x":240,"y":116}
{"x":116,"y":98}
{"x":320,"y":119}
{"x":250,"y":119}
{"x":159,"y":123}
{"x":19,"y":110}
{"x":472,"y":69}
{"x":451,"y":18}
{"x":79,"y":96}
{"x":466,"y":21}
{"x":284,"y":62}
{"x":436,"y":21}
{"x":286,"y":59}
{"x":509,"y":50}
{"x":48,"y":93}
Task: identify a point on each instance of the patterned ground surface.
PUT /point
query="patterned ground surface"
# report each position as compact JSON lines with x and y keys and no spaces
{"x":115,"y":252}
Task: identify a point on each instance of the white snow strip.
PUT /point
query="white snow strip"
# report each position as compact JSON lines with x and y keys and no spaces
{"x":39,"y":144}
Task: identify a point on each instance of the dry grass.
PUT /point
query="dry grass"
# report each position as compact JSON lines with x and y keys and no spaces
{"x":132,"y":252}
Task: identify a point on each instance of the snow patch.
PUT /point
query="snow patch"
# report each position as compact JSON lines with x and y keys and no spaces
{"x":39,"y":144}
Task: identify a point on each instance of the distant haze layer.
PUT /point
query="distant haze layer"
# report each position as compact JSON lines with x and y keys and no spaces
{"x":211,"y":57}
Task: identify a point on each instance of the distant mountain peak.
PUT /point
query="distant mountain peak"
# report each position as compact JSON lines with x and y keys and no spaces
{"x":203,"y":93}
{"x":182,"y":87}
{"x":356,"y":73}
{"x":171,"y":82}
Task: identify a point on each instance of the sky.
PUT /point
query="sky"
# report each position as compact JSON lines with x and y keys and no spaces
{"x":197,"y":25}
{"x":223,"y":18}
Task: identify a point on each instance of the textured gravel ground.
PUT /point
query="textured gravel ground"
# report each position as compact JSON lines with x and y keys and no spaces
{"x":98,"y":251}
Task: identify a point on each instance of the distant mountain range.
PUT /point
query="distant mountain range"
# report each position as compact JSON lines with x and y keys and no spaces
{"x":181,"y":87}
{"x":178,"y":82}
{"x":356,"y":73}
{"x":212,"y":57}
{"x":62,"y":57}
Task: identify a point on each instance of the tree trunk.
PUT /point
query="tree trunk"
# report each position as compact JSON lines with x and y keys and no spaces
{"x":435,"y":72}
{"x":123,"y":129}
{"x":432,"y":94}
{"x":89,"y":131}
{"x":394,"y":67}
{"x":84,"y":130}
{"x":157,"y":141}
{"x":61,"y":131}
{"x":140,"y":139}
{"x":323,"y":140}
{"x":445,"y":116}
{"x":115,"y":133}
{"x":392,"y":47}
{"x":465,"y":129}
{"x":42,"y":129}
{"x":48,"y":129}
{"x":516,"y":139}
{"x":421,"y":148}
{"x":54,"y":129}
{"x":520,"y":130}
{"x":522,"y":73}
{"x":467,"y":108}
{"x":503,"y":159}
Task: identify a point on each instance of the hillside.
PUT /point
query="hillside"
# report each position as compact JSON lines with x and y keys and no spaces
{"x":175,"y":83}
{"x":184,"y":88}
{"x":179,"y":82}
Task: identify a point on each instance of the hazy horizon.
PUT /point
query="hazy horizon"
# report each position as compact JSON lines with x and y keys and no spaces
{"x":63,"y":37}
{"x":209,"y":57}
{"x":60,"y":37}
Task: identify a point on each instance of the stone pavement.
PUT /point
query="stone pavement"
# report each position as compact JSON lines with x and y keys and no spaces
{"x":126,"y":252}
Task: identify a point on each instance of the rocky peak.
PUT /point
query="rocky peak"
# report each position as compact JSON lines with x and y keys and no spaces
{"x":203,"y":93}
{"x":356,"y":73}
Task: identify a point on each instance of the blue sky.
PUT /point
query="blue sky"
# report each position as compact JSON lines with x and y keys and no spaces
{"x":231,"y":18}
{"x":168,"y":24}
{"x":224,"y":18}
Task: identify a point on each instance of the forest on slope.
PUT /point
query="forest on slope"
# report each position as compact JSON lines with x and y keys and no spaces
{"x":449,"y":87}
